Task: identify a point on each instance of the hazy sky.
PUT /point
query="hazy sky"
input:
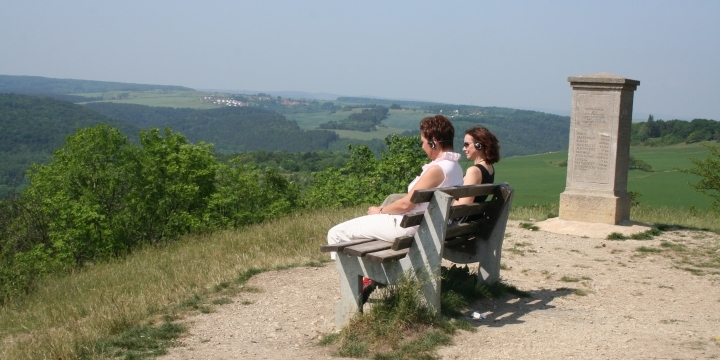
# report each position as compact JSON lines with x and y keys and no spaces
{"x":500,"y":53}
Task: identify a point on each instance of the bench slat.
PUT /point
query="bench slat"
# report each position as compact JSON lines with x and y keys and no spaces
{"x":421,"y":196}
{"x":368,"y":247}
{"x":462,"y":229}
{"x":387,"y":255}
{"x":403,"y":242}
{"x":340,"y":246}
{"x":415,"y":218}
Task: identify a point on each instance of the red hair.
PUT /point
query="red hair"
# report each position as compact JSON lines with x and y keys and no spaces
{"x":490,"y":143}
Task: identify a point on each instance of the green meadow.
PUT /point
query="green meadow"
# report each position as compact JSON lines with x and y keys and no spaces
{"x":173,"y":99}
{"x":539,"y":179}
{"x":397,"y":122}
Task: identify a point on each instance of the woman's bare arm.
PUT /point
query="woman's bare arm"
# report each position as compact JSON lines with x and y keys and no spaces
{"x":473,"y":176}
{"x":432,"y":178}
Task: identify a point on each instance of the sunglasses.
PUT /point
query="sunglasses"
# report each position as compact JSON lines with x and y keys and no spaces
{"x":466,"y":144}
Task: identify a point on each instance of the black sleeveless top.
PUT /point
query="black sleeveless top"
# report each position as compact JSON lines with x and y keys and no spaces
{"x":487,"y":178}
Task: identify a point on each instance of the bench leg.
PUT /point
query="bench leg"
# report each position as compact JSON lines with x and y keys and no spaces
{"x":350,"y":292}
{"x":490,"y":251}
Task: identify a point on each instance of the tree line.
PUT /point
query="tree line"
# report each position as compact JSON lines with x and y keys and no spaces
{"x":230,"y":129}
{"x":101,"y":196}
{"x":661,"y":133}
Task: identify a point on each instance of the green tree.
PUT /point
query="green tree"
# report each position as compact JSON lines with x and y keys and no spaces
{"x":82,"y":195}
{"x":246,"y":196}
{"x":173,"y":182}
{"x":708,"y":170}
{"x":366,"y":179}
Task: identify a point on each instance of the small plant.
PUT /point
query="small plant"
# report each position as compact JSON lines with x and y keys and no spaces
{"x":222,"y":301}
{"x":516,"y":251}
{"x":328,"y":339}
{"x":645,"y":249}
{"x":529,"y":226}
{"x":141,"y":342}
{"x":569,"y":279}
{"x":581,"y":292}
{"x":616,"y":236}
{"x":645,"y":235}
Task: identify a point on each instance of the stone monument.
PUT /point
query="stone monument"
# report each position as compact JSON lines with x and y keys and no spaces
{"x":599,"y":150}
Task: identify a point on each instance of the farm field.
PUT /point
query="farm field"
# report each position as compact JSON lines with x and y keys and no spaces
{"x":398,"y":121}
{"x":538,"y":179}
{"x":173,"y":99}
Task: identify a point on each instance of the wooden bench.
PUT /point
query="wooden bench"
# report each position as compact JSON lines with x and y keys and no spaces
{"x":421,"y":255}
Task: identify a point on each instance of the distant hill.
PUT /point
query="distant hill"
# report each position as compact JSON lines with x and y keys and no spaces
{"x":37,"y":85}
{"x":32,"y":127}
{"x":521,"y":132}
{"x":230,"y":129}
{"x":386,"y":102}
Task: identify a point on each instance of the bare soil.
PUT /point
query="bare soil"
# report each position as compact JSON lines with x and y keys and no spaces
{"x":590,"y":298}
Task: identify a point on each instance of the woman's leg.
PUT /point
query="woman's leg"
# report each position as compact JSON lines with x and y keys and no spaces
{"x":379,"y":226}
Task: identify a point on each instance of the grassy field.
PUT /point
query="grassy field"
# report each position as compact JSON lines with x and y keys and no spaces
{"x":398,"y":121}
{"x":173,"y":99}
{"x":538,"y":179}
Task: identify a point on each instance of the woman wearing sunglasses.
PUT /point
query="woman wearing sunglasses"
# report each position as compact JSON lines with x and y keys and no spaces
{"x":483,"y":149}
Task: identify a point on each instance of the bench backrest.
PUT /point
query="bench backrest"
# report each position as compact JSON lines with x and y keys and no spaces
{"x":486,"y":213}
{"x":489,"y":209}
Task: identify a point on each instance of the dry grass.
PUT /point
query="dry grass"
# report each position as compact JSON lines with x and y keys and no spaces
{"x":696,"y":219}
{"x":68,"y":315}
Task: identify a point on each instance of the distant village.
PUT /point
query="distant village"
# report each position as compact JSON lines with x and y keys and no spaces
{"x":218,"y":100}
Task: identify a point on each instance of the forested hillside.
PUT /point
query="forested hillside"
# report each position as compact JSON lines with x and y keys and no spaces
{"x":31,"y":128}
{"x":230,"y":129}
{"x":366,"y":120}
{"x":43,"y":85}
{"x":521,"y":132}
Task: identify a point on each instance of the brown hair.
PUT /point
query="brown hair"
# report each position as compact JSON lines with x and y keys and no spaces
{"x":490,"y":144}
{"x":439,"y":129}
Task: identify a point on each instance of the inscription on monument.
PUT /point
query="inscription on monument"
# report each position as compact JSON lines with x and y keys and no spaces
{"x":592,"y":140}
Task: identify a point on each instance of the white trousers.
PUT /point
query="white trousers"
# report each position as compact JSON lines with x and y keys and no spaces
{"x":379,"y":226}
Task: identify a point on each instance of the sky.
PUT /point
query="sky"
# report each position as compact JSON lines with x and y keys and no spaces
{"x":516,"y":54}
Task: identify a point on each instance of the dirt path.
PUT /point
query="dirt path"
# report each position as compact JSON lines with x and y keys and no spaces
{"x":591,"y":298}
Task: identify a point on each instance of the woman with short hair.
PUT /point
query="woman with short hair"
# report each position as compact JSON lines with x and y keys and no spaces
{"x":383,"y":222}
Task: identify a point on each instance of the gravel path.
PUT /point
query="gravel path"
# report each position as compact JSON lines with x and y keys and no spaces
{"x":591,"y":298}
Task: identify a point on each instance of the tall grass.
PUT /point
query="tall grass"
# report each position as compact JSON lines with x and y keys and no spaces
{"x":690,"y":218}
{"x":67,"y":316}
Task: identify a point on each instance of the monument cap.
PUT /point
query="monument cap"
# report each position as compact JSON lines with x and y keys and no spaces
{"x":602,"y":78}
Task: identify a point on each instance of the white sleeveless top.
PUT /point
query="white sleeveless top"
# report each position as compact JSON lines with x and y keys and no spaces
{"x":448,"y":162}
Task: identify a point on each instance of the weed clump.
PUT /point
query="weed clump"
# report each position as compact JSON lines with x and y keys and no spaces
{"x":401,"y":326}
{"x":645,"y":235}
{"x":529,"y":226}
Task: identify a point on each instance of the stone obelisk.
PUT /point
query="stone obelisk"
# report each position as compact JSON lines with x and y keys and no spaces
{"x":599,"y":150}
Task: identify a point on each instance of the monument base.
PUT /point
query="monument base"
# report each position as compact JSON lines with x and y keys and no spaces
{"x":591,"y":230}
{"x":595,"y":207}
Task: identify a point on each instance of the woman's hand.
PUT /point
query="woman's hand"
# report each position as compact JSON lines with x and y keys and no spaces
{"x":374,"y":210}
